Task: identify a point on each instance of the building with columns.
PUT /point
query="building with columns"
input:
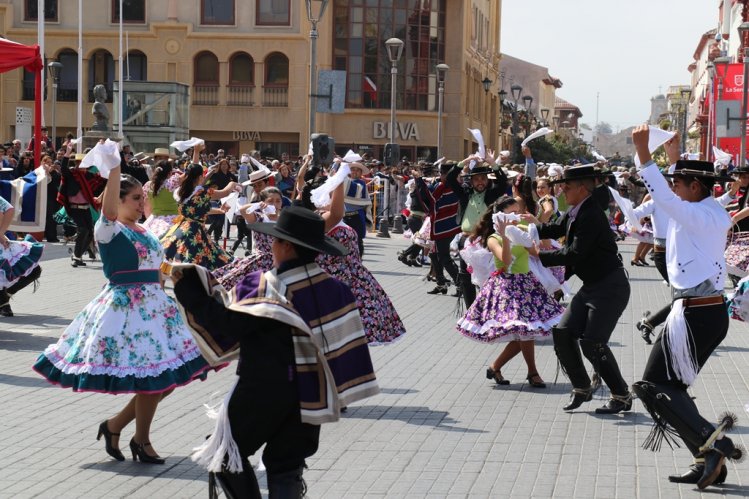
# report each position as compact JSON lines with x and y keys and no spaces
{"x":246,"y":65}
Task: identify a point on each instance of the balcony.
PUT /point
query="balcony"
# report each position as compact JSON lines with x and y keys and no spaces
{"x":240,"y":95}
{"x":205,"y":95}
{"x":275,"y":96}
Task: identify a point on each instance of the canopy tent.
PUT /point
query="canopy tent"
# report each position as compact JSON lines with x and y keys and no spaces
{"x":14,"y":55}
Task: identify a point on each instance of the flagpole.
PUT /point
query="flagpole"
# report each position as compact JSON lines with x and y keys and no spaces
{"x":127,"y":54}
{"x":119,"y":100}
{"x":40,"y":40}
{"x":79,"y":117}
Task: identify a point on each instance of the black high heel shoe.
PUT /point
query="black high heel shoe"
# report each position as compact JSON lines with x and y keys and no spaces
{"x":496,"y":376}
{"x":111,"y":450}
{"x":535,"y":384}
{"x":139,"y":452}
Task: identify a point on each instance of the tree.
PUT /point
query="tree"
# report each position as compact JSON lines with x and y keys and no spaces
{"x":604,"y":128}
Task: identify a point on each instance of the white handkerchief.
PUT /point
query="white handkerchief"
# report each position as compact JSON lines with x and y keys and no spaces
{"x":231,"y":201}
{"x":658,"y":137}
{"x":439,"y":161}
{"x":538,"y":133}
{"x":627,"y":209}
{"x":480,"y":139}
{"x":598,"y":155}
{"x":184,"y":145}
{"x":320,"y":196}
{"x":721,"y":157}
{"x":351,"y":157}
{"x":257,"y":164}
{"x":103,"y":156}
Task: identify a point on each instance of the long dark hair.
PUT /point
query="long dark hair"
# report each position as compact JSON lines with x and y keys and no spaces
{"x":160,"y":174}
{"x":127,"y":184}
{"x":485,"y":227}
{"x":189,"y":181}
{"x":525,"y":189}
{"x":313,"y":183}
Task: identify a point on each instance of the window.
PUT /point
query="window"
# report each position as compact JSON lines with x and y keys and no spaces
{"x":135,"y":11}
{"x":241,"y":69}
{"x":217,"y":12}
{"x":100,"y":72}
{"x":136,"y":66}
{"x":361,"y":28}
{"x":50,"y":10}
{"x":273,"y":12}
{"x":276,"y":70}
{"x":67,"y":88}
{"x":206,"y":69}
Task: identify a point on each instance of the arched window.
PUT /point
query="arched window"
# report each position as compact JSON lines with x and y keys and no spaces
{"x":241,"y":69}
{"x":100,"y":72}
{"x":206,"y":69}
{"x":67,"y":89}
{"x":136,"y":66}
{"x":276,"y":70}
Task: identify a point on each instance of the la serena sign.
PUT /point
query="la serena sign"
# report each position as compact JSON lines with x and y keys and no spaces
{"x":405,"y":131}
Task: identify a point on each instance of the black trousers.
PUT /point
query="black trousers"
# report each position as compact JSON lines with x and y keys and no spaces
{"x":216,"y":226}
{"x":276,"y":423}
{"x":242,"y":232}
{"x":656,"y":319}
{"x":414,"y":223}
{"x":355,"y":222}
{"x":85,"y":225}
{"x":709,"y":326}
{"x":444,"y":261}
{"x":50,"y":226}
{"x":468,"y":290}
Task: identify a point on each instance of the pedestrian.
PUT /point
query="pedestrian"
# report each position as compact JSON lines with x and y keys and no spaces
{"x":590,"y":252}
{"x":283,"y":363}
{"x":698,"y":320}
{"x":131,"y":337}
{"x":218,"y":177}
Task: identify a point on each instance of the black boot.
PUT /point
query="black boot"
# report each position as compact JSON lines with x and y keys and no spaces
{"x":715,"y":458}
{"x":287,"y":485}
{"x":467,"y":288}
{"x":604,"y":363}
{"x":696,"y":470}
{"x":645,"y":328}
{"x":571,"y":362}
{"x":616,"y":404}
{"x":578,"y":396}
{"x":25,"y":281}
{"x":242,"y":485}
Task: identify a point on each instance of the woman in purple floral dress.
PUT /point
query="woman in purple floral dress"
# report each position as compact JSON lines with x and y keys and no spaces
{"x":512,"y":305}
{"x":261,"y":257}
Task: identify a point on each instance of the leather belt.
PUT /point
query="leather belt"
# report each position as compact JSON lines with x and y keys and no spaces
{"x":351,"y":214}
{"x":659,"y":249}
{"x":703,"y":301}
{"x":79,"y":206}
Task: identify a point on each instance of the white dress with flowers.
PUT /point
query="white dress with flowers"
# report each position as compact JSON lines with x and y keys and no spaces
{"x":131,"y":338}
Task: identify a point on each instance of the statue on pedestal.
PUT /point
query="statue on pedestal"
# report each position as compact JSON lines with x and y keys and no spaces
{"x":99,"y":109}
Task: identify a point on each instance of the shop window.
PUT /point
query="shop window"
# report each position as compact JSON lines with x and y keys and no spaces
{"x":241,"y":69}
{"x":217,"y":12}
{"x":32,"y":11}
{"x":135,"y":11}
{"x":136,"y":66}
{"x":100,"y":72}
{"x":273,"y":12}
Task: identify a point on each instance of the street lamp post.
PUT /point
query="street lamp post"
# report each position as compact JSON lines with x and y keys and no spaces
{"x":686,"y":95}
{"x":313,"y":34}
{"x":442,"y":70}
{"x":515,"y":91}
{"x":502,"y":97}
{"x":54,"y":69}
{"x":743,"y":29}
{"x":395,"y":49}
{"x":545,"y":116}
{"x":528,"y":101}
{"x":711,"y":99}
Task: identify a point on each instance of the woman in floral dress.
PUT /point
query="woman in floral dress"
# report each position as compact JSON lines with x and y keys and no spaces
{"x":131,"y":338}
{"x":512,"y":305}
{"x":261,"y":257}
{"x":187,"y":241}
{"x":382,"y":324}
{"x":161,"y":207}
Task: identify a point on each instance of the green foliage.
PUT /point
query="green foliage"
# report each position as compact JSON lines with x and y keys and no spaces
{"x":554,"y":149}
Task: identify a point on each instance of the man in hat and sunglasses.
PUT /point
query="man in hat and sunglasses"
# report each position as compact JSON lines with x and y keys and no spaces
{"x":591,"y":253}
{"x":698,"y":320}
{"x":303,"y":356}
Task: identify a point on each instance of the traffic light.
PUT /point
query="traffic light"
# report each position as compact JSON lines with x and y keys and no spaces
{"x":323,"y":149}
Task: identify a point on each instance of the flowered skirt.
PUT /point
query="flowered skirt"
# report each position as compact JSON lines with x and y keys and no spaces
{"x":510,"y":307}
{"x":18,"y":260}
{"x":737,"y":254}
{"x":188,"y":242}
{"x":159,"y":224}
{"x":129,"y":339}
{"x":229,"y":275}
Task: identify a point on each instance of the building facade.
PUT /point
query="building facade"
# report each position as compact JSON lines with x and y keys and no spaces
{"x":247,"y":68}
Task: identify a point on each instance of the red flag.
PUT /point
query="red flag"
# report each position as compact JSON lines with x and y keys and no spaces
{"x":369,"y":87}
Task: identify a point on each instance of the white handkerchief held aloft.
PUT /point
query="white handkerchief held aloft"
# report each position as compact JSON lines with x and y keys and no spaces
{"x":320,"y":196}
{"x":627,"y":209}
{"x":232,"y":202}
{"x":480,"y":139}
{"x":310,"y":150}
{"x":439,"y":161}
{"x":76,"y":141}
{"x":597,"y":155}
{"x":103,"y":156}
{"x":721,"y":157}
{"x":504,"y":217}
{"x":658,"y":137}
{"x":245,"y":158}
{"x":257,"y":164}
{"x":184,"y":145}
{"x":351,"y":157}
{"x":538,"y":133}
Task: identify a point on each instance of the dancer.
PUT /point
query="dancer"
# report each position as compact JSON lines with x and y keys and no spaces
{"x":19,"y":261}
{"x":512,"y":305}
{"x":698,"y":321}
{"x":357,"y":202}
{"x":261,"y":258}
{"x":187,"y":240}
{"x":131,"y":337}
{"x":737,"y":252}
{"x":589,"y":251}
{"x":161,"y":207}
{"x":282,"y":361}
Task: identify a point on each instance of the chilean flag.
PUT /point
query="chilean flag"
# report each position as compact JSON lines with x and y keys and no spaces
{"x":369,"y":87}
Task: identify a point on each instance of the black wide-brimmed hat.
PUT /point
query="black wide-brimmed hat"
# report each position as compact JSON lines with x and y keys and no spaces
{"x":578,"y":173}
{"x":303,"y":227}
{"x":740,"y":169}
{"x":703,"y":170}
{"x":479,"y":170}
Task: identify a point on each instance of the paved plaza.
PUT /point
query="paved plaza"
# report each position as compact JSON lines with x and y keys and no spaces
{"x":438,"y":429}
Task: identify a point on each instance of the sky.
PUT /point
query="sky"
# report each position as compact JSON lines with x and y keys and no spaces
{"x":626,"y":50}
